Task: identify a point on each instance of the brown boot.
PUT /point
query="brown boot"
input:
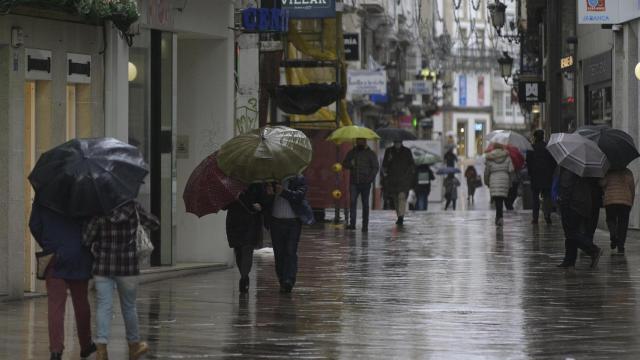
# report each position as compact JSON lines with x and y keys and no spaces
{"x":137,"y":349}
{"x":101,"y":352}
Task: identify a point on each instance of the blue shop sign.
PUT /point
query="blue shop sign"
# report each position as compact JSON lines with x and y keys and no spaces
{"x":265,"y":20}
{"x":310,"y":9}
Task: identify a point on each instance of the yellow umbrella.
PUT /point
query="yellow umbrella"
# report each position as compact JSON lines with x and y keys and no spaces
{"x":271,"y":153}
{"x":352,"y":132}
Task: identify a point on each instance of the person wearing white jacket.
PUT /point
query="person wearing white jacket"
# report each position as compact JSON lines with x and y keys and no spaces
{"x":497,"y":176}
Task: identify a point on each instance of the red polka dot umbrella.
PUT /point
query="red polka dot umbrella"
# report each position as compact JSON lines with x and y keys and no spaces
{"x":209,"y":190}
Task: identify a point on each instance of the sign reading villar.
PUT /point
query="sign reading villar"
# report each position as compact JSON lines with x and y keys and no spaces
{"x":300,"y":9}
{"x":265,"y":20}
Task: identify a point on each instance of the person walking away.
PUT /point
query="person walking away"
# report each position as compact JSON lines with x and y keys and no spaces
{"x":422,"y":187}
{"x":451,"y":184}
{"x":363,"y":167}
{"x":497,"y":176}
{"x":398,"y":169}
{"x":289,"y":210}
{"x":472,"y":182}
{"x":69,"y":270}
{"x":619,"y":192}
{"x":112,"y":240}
{"x":450,"y":158}
{"x":244,"y":224}
{"x":541,"y":167}
{"x":575,"y":203}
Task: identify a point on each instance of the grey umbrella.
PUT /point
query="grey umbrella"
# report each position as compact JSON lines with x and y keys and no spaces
{"x":395,"y":134}
{"x":578,"y":154}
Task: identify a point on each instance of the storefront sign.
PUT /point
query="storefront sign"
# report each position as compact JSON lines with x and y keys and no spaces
{"x":351,"y":47}
{"x":418,"y":87}
{"x":607,"y":11}
{"x":566,"y":62}
{"x":314,"y":9}
{"x":366,"y":82}
{"x":265,"y":20}
{"x":462,"y":90}
{"x":532,"y":91}
{"x":597,"y":69}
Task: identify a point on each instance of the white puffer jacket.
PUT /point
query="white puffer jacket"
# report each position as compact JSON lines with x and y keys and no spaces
{"x":497,"y":172}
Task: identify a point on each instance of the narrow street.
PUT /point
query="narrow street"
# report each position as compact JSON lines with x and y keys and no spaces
{"x":445,"y":286}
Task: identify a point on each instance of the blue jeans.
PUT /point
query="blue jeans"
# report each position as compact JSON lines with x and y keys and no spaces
{"x":362,"y":190}
{"x":127,"y":291}
{"x":285,"y":235}
{"x":422,"y":197}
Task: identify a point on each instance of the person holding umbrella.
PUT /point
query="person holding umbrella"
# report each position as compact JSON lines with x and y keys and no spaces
{"x":112,"y":240}
{"x":398,"y":169}
{"x":69,"y":270}
{"x":471,"y":174}
{"x":424,"y":176}
{"x":363,"y":167}
{"x":451,"y":184}
{"x":497,"y":176}
{"x":619,"y":192}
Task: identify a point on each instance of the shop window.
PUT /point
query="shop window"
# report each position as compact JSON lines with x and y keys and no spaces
{"x":599,"y":105}
{"x":462,"y":138}
{"x":479,"y":132}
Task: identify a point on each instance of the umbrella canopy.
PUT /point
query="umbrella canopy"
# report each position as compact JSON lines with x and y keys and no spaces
{"x":447,"y":171}
{"x":352,"y":132}
{"x":88,"y":177}
{"x":517,"y":159}
{"x":578,"y":154}
{"x":423,"y":157}
{"x":271,"y":153}
{"x":209,"y":190}
{"x":305,"y":99}
{"x":396,"y":134}
{"x":616,"y":144}
{"x":506,"y":137}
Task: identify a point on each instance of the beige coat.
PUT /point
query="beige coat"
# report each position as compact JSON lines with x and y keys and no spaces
{"x":497,"y":172}
{"x":619,"y":187}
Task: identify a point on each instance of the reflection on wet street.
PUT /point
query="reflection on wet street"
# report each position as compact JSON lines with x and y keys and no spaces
{"x":446,"y":286}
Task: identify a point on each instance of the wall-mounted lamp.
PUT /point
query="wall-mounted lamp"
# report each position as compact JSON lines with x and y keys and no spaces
{"x":133,"y":71}
{"x":17,"y":37}
{"x":637,"y":71}
{"x":498,"y":16}
{"x":506,"y":66}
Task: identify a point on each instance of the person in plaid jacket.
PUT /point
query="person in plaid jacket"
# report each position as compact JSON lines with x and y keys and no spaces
{"x":112,"y":240}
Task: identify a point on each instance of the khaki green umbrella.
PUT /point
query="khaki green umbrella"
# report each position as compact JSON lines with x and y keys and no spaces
{"x":351,"y":133}
{"x":271,"y":153}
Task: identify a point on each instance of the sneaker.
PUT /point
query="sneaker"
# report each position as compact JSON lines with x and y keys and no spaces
{"x":595,"y":257}
{"x":88,"y":351}
{"x":613,"y":245}
{"x":56,"y":356}
{"x":400,"y":220}
{"x":565,"y":265}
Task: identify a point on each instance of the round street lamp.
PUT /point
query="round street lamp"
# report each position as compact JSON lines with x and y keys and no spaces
{"x":498,"y":16}
{"x":506,"y":65}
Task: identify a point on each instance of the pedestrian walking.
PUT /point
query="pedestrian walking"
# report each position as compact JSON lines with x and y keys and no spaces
{"x":451,"y":184}
{"x":398,"y":169}
{"x":288,"y":211}
{"x":363,"y":167}
{"x":69,"y":270}
{"x":471,"y":174}
{"x":422,"y":187}
{"x":244,"y":226}
{"x":576,"y":209}
{"x":450,"y":158}
{"x":497,"y":176}
{"x":112,"y":239}
{"x":619,"y":192}
{"x":541,"y":167}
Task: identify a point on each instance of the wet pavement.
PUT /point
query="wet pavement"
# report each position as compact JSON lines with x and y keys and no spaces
{"x":445,"y":286}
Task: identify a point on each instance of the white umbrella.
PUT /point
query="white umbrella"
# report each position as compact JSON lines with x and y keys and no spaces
{"x":578,"y":154}
{"x":507,"y":137}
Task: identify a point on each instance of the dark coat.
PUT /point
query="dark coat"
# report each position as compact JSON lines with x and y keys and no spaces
{"x":398,"y":168}
{"x":296,"y":195}
{"x":541,"y":166}
{"x":243,"y":221}
{"x":583,"y":195}
{"x":362,"y":164}
{"x":450,"y":158}
{"x":61,"y":235}
{"x":423,"y":178}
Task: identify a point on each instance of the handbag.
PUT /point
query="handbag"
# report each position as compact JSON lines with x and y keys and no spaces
{"x":43,"y":260}
{"x":144,"y":247}
{"x":478,"y":181}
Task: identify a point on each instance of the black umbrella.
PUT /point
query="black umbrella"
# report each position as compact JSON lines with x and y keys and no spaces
{"x":395,"y":134}
{"x":616,"y":144}
{"x":306,"y":99}
{"x":87,"y":177}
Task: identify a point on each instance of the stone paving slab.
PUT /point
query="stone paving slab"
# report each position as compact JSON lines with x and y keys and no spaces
{"x":445,"y":286}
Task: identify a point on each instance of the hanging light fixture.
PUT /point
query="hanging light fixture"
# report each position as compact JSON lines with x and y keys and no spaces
{"x":506,"y":66}
{"x":498,"y":15}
